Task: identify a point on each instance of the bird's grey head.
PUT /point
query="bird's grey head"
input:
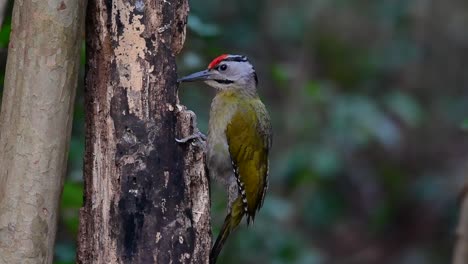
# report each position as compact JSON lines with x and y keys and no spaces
{"x":227,"y":72}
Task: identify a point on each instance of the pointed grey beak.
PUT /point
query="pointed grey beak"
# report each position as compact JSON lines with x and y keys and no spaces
{"x":197,"y":76}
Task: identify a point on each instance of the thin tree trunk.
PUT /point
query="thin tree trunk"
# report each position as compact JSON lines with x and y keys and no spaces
{"x":461,"y":245}
{"x":35,"y":125}
{"x":146,"y":196}
{"x":3,"y":10}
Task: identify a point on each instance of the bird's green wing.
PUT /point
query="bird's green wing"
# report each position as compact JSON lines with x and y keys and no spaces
{"x":249,"y":138}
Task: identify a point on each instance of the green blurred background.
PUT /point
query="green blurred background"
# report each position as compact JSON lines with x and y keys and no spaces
{"x":369,"y":102}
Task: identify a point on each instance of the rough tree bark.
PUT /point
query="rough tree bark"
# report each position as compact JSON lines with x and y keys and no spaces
{"x":146,"y":196}
{"x":35,"y":125}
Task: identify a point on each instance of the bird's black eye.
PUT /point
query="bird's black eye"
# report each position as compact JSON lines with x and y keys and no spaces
{"x":223,"y":67}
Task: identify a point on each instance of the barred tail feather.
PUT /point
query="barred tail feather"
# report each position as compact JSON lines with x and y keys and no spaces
{"x":231,"y":221}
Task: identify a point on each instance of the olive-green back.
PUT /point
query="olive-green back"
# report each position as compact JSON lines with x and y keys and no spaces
{"x":249,"y":138}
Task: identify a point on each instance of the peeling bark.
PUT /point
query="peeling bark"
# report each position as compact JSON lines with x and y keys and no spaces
{"x":146,"y":196}
{"x":35,"y":125}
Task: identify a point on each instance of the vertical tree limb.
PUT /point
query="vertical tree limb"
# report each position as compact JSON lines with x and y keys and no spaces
{"x":146,"y":196}
{"x":35,"y":125}
{"x":461,"y":244}
{"x":3,"y":10}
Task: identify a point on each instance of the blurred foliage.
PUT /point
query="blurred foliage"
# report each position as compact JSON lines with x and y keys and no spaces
{"x":369,"y":103}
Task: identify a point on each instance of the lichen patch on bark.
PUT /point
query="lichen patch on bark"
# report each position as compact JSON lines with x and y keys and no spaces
{"x":130,"y":50}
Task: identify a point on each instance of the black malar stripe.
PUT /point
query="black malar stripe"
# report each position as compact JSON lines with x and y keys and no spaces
{"x":224,"y":81}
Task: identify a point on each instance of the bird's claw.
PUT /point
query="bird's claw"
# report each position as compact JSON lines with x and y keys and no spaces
{"x":195,"y":136}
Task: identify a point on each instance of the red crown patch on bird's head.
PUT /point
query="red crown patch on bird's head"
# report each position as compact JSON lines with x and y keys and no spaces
{"x":217,"y":60}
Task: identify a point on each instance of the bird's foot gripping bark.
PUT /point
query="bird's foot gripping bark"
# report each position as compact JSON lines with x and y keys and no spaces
{"x":197,"y":137}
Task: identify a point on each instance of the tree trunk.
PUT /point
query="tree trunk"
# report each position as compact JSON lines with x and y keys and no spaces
{"x":461,"y":246}
{"x":35,"y":125}
{"x":3,"y":10}
{"x":146,"y":196}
